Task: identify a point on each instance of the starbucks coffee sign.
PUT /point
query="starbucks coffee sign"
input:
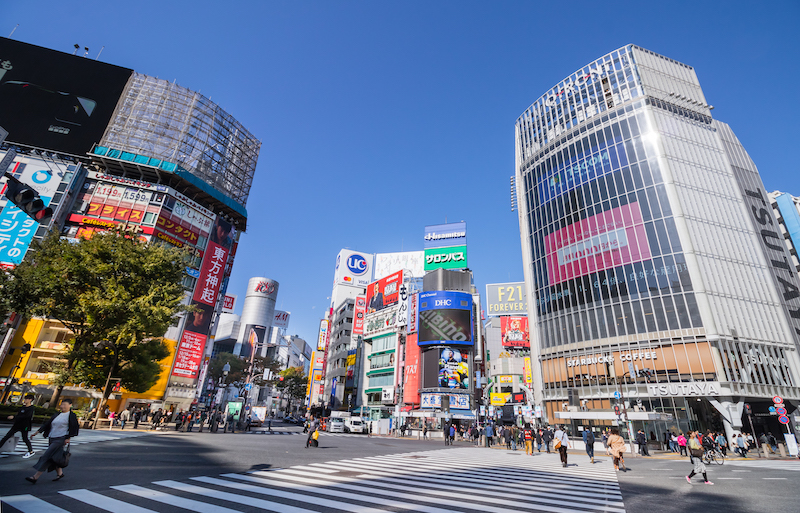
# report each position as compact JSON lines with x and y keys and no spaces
{"x":692,"y":388}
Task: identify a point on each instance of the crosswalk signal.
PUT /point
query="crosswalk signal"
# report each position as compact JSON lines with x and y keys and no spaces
{"x":27,"y":199}
{"x":617,"y":411}
{"x":747,"y":409}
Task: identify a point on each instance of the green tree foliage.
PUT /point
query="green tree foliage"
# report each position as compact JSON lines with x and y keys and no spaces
{"x":114,"y":289}
{"x":294,"y":382}
{"x":238,"y":372}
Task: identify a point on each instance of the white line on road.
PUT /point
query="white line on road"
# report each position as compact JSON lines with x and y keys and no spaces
{"x":103,"y":502}
{"x":30,"y":504}
{"x":739,"y":478}
{"x":774,"y":478}
{"x":173,"y":500}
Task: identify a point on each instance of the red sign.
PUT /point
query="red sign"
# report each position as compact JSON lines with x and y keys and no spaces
{"x":189,"y":355}
{"x":783,"y":419}
{"x":777,"y":399}
{"x":177,"y":229}
{"x":228,"y":302}
{"x":411,"y":371}
{"x":514,"y":331}
{"x":360,"y":310}
{"x":384,"y":292}
{"x":609,"y":239}
{"x":213,"y":266}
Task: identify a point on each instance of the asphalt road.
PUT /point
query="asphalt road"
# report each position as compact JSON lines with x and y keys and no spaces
{"x":149,"y":461}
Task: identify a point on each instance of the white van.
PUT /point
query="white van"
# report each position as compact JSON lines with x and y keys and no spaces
{"x":335,"y":425}
{"x":355,"y":425}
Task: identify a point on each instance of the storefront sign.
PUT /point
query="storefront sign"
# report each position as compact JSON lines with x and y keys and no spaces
{"x":505,"y":379}
{"x":499,"y":399}
{"x":694,"y":388}
{"x":458,"y":401}
{"x":625,"y":357}
{"x":380,"y":322}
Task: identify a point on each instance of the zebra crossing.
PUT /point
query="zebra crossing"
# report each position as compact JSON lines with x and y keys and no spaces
{"x":791,"y":465}
{"x":465,"y":480}
{"x":86,"y":436}
{"x":322,"y":434}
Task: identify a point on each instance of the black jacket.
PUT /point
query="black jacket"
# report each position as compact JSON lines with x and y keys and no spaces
{"x":24,"y":418}
{"x":73,"y":425}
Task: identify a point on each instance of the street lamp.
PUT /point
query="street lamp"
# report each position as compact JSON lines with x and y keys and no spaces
{"x":220,"y":386}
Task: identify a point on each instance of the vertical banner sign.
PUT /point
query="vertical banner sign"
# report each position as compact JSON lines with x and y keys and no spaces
{"x":195,"y":333}
{"x":412,"y":313}
{"x":322,"y":340}
{"x":527,"y":372}
{"x":359,"y":314}
{"x":411,"y":371}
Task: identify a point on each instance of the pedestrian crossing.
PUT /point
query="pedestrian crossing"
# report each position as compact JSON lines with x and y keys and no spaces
{"x":468,"y":480}
{"x":322,"y":434}
{"x":86,"y":436}
{"x":791,"y":465}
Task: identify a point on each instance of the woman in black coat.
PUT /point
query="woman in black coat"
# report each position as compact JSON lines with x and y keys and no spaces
{"x":59,"y":429}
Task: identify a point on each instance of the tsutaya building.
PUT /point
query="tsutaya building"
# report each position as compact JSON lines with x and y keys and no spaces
{"x":651,"y":250}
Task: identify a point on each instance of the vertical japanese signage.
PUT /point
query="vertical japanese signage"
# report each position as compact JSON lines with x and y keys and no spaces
{"x":360,"y":311}
{"x":322,"y":340}
{"x":411,"y":371}
{"x":412,"y":313}
{"x":195,"y":333}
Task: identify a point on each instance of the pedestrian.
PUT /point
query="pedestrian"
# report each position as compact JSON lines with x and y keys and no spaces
{"x":673,"y":443}
{"x":527,"y":434}
{"x":248,"y":423}
{"x":112,"y":419}
{"x":539,"y":439}
{"x":23,"y":421}
{"x":425,"y":431}
{"x":507,"y":437}
{"x":230,"y":421}
{"x":682,"y":444}
{"x":773,"y":443}
{"x":741,"y":443}
{"x":616,"y":448}
{"x":59,"y":429}
{"x":561,"y":443}
{"x":588,"y":440}
{"x":489,"y":432}
{"x":604,"y":439}
{"x":696,"y":456}
{"x":641,"y":440}
{"x":203,"y":415}
{"x":154,"y":420}
{"x":369,"y":434}
{"x":137,"y":416}
{"x":312,"y":428}
{"x":124,"y":417}
{"x":547,"y":436}
{"x":452,"y":433}
{"x":514,"y":435}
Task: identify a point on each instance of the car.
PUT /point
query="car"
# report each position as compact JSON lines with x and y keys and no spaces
{"x":335,"y":425}
{"x":355,"y":425}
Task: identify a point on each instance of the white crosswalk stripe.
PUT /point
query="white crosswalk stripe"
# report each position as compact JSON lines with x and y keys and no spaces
{"x":793,"y":465}
{"x":438,"y":481}
{"x":322,"y":434}
{"x":39,"y":444}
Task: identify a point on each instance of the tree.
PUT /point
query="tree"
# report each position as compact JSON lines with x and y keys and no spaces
{"x":239,"y":366}
{"x":292,"y":382}
{"x":115,"y":292}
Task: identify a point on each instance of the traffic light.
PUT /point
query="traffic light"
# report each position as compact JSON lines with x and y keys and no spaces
{"x":27,"y":199}
{"x":617,"y":411}
{"x":747,"y":409}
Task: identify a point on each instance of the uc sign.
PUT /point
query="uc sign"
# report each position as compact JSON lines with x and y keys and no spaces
{"x":357,"y":264}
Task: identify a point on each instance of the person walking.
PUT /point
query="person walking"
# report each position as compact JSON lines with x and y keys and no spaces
{"x":682,"y":444}
{"x":22,"y":424}
{"x":137,"y":416}
{"x":313,"y":425}
{"x":588,"y":440}
{"x":561,"y":443}
{"x":741,"y":443}
{"x":514,"y":436}
{"x":616,"y":448}
{"x":641,"y":440}
{"x":425,"y":431}
{"x":124,"y":417}
{"x":507,"y":437}
{"x":696,"y":456}
{"x":489,"y":432}
{"x":452,"y":433}
{"x":539,"y":440}
{"x":369,"y":433}
{"x":59,"y":429}
{"x":527,"y":434}
{"x":547,"y":436}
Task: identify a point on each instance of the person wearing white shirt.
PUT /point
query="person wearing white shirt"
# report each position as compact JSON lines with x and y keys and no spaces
{"x":59,"y":429}
{"x":561,"y":436}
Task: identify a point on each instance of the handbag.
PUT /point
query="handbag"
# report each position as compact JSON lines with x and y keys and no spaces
{"x":697,"y":453}
{"x":315,"y":436}
{"x":61,"y":458}
{"x":557,"y":444}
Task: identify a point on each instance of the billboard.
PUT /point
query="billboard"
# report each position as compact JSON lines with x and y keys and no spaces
{"x":454,"y":257}
{"x":384,"y":292}
{"x":353,"y":268}
{"x":54,"y":100}
{"x":506,"y":299}
{"x":453,"y":368}
{"x":413,"y":313}
{"x":281,"y":319}
{"x":411,"y":371}
{"x":228,"y":302}
{"x":445,"y":235}
{"x":189,"y":354}
{"x":457,"y":401}
{"x":602,"y":241}
{"x":322,"y":339}
{"x":445,"y":317}
{"x":387,"y":263}
{"x":514,"y":332}
{"x":359,"y":313}
{"x":16,"y":227}
{"x":255,"y":336}
{"x":380,"y":322}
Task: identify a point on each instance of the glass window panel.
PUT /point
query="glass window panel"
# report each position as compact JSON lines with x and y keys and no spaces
{"x":611,"y":324}
{"x":652,"y":238}
{"x":674,"y":238}
{"x":669,"y":310}
{"x":649,"y":316}
{"x":644,"y":205}
{"x":638,"y":316}
{"x":683,"y":313}
{"x":646,"y":176}
{"x":694,"y":312}
{"x":666,"y":210}
{"x":655,"y":171}
{"x":658,"y":312}
{"x":652,"y":195}
{"x":630,"y":324}
{"x":619,"y":319}
{"x":661,"y":229}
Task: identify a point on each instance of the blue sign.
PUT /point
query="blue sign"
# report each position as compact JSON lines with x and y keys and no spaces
{"x":248,"y":386}
{"x":16,"y":232}
{"x":772,"y":409}
{"x":357,"y":264}
{"x":617,"y":395}
{"x":446,"y":235}
{"x":194,"y":273}
{"x":445,"y":318}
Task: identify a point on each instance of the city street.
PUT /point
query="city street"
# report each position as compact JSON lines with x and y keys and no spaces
{"x":169,"y":471}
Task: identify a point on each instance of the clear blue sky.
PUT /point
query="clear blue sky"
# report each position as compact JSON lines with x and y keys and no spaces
{"x":378,"y":118}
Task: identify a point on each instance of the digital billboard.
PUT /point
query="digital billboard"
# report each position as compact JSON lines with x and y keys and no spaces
{"x":453,"y":368}
{"x":54,"y":100}
{"x":411,"y":371}
{"x":603,"y":241}
{"x":506,"y":299}
{"x":255,"y":336}
{"x":445,"y":235}
{"x":445,"y":317}
{"x":384,"y":292}
{"x":514,"y":332}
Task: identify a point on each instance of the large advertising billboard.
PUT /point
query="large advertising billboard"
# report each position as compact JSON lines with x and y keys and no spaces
{"x":446,"y":258}
{"x":255,"y":336}
{"x":603,"y":241}
{"x":281,"y":319}
{"x":411,"y":261}
{"x":411,"y":371}
{"x":384,"y":292}
{"x":54,"y":100}
{"x":359,"y":313}
{"x":322,"y":339}
{"x":445,"y":235}
{"x":506,"y":299}
{"x":514,"y":332}
{"x":453,"y":368}
{"x":445,"y":317}
{"x":353,"y":268}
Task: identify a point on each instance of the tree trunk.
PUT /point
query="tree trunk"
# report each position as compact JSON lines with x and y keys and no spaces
{"x":56,"y":396}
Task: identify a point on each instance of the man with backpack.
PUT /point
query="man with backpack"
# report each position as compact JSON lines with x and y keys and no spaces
{"x":588,"y":440}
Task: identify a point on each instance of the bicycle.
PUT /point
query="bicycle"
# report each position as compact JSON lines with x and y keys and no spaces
{"x":713,"y":456}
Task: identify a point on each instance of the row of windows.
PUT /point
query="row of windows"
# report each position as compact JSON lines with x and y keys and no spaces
{"x":383,"y":380}
{"x":380,"y":361}
{"x":384,"y":343}
{"x":672,"y":312}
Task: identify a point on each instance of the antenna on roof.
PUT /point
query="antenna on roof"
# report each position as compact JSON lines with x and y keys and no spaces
{"x":12,"y":31}
{"x":101,"y":51}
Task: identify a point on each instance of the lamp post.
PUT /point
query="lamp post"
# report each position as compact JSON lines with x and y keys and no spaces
{"x":220,"y":386}
{"x":10,"y":379}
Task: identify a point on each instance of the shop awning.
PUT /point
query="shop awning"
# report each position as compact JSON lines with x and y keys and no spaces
{"x":609,"y":415}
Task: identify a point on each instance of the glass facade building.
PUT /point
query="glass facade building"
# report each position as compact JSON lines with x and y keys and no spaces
{"x":644,"y":250}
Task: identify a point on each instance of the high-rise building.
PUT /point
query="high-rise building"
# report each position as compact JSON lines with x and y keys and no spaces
{"x":654,"y":268}
{"x":787,"y":212}
{"x":121,"y":148}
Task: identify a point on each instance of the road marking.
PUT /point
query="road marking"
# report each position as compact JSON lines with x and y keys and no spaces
{"x":775,"y":478}
{"x":103,"y":502}
{"x":232,"y":497}
{"x":739,"y":478}
{"x":740,"y":471}
{"x":172,"y":500}
{"x":30,"y":504}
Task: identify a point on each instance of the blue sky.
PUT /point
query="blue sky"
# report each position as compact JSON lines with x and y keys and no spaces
{"x":378,"y":118}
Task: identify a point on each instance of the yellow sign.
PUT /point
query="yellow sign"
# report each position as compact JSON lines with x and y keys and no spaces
{"x":527,"y":373}
{"x":499,"y":399}
{"x":505,"y":379}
